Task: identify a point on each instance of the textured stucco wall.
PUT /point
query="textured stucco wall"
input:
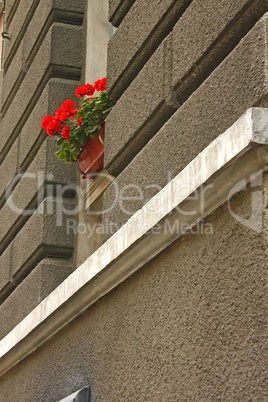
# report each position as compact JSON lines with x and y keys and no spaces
{"x":215,"y":75}
{"x":191,"y":325}
{"x":43,"y":63}
{"x":1,"y":30}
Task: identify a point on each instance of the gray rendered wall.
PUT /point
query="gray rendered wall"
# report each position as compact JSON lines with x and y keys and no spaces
{"x":43,"y":64}
{"x":191,"y":325}
{"x":182,"y":73}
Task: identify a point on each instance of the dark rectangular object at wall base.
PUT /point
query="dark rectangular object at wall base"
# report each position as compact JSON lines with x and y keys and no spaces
{"x":83,"y":395}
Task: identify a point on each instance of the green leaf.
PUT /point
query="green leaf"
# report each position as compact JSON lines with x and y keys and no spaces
{"x":65,"y":145}
{"x":61,"y":155}
{"x":60,"y":141}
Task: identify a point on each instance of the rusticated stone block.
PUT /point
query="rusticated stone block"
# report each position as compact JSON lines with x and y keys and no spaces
{"x":134,"y":43}
{"x":8,"y":169}
{"x":47,"y":275}
{"x":10,"y":78}
{"x":6,"y":286}
{"x":237,"y":84}
{"x":18,"y":21}
{"x":219,"y":32}
{"x":26,"y":27}
{"x":31,"y":41}
{"x":118,"y":9}
{"x":31,"y":151}
{"x":21,"y":197}
{"x":44,"y":235}
{"x":8,"y":7}
{"x":70,"y":5}
{"x":55,"y":92}
{"x":217,"y":27}
{"x":54,"y":53}
{"x":31,"y":189}
{"x":141,"y":110}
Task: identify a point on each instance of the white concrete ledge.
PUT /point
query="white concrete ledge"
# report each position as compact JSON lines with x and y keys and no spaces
{"x":238,"y":153}
{"x":97,"y":187}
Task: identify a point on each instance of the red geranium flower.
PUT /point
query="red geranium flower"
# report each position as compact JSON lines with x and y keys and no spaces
{"x":66,"y":132}
{"x":85,"y":90}
{"x":65,"y":110}
{"x":53,"y":126}
{"x":61,"y":114}
{"x":100,"y":85}
{"x":79,"y":122}
{"x":46,"y":120}
{"x":68,"y":105}
{"x":74,"y":112}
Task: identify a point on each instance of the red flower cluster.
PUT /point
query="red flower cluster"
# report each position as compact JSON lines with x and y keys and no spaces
{"x":66,"y":110}
{"x":88,"y":90}
{"x":66,"y":132}
{"x":85,"y":90}
{"x":100,"y":85}
{"x":51,"y":124}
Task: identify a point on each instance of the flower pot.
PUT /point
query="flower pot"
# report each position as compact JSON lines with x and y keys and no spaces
{"x":91,"y":157}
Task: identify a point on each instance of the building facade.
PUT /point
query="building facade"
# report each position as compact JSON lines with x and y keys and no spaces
{"x":149,"y":282}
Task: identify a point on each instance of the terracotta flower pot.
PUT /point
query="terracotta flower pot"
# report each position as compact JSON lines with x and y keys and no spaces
{"x":91,"y":157}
